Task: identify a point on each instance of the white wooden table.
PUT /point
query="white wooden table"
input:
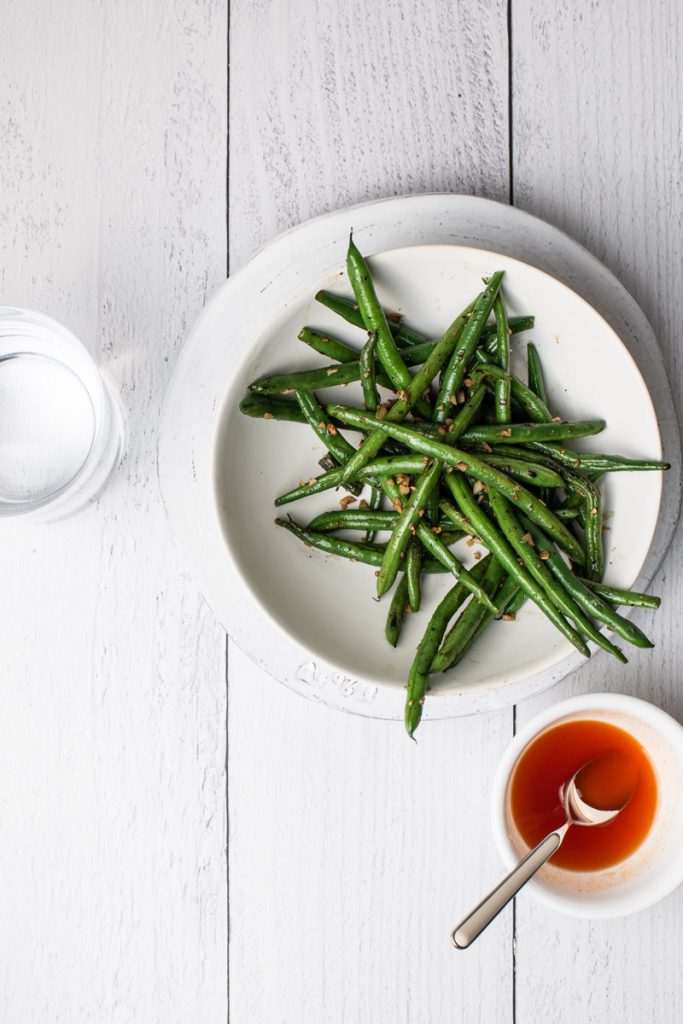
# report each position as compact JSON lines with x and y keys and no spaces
{"x":350,"y":852}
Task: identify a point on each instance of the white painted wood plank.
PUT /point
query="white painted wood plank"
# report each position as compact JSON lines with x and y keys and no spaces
{"x":112,"y":861}
{"x":597,"y":128}
{"x":333,"y":104}
{"x":349,"y":863}
{"x":352,"y":854}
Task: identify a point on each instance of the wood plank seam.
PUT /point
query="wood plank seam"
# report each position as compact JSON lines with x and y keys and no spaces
{"x":511,"y":200}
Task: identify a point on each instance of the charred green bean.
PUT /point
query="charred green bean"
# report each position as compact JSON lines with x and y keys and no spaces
{"x":397,"y":611}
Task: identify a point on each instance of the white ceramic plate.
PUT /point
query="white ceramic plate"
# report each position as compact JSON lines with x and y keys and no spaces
{"x":309,"y":619}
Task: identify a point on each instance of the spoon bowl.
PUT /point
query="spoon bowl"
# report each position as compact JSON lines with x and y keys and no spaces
{"x":578,"y":811}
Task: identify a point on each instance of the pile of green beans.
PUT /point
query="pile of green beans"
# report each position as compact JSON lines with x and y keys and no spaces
{"x":455,"y":448}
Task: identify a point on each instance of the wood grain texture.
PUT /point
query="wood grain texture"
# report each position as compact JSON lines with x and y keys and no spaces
{"x":352,"y":851}
{"x":112,"y":859}
{"x":333,"y":104}
{"x":597,"y":151}
{"x":349,"y":859}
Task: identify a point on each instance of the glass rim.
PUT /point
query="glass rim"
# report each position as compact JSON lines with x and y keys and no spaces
{"x":106,"y":419}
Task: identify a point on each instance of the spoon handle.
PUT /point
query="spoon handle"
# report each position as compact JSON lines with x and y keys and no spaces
{"x":482,"y":915}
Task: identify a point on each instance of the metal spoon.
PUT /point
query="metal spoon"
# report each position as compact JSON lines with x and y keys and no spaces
{"x":577,"y":812}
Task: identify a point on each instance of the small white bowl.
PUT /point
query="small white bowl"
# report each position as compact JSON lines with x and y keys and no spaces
{"x":653,"y":870}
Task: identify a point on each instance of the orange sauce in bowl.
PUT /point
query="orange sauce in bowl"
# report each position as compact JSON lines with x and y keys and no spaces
{"x":617,"y":771}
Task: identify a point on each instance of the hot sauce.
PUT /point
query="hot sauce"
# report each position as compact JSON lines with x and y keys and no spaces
{"x":618,"y":772}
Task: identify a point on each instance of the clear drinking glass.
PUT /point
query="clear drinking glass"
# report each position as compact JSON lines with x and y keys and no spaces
{"x":60,"y":425}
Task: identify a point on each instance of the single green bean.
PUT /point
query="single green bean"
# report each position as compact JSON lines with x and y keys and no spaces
{"x":468,"y":463}
{"x":418,"y":677}
{"x":518,"y":451}
{"x":371,"y":554}
{"x":617,"y":595}
{"x":499,"y":546}
{"x":328,"y":346}
{"x":375,"y":506}
{"x":537,"y":385}
{"x":517,"y":602}
{"x":315,"y":416}
{"x":456,"y":370}
{"x":432,"y":507}
{"x":456,"y":517}
{"x":268,"y":408}
{"x":535,"y":373}
{"x":371,"y":519}
{"x":395,"y":464}
{"x":315,"y":485}
{"x":591,"y":506}
{"x":593,"y":462}
{"x":502,"y":392}
{"x":353,"y":519}
{"x":440,"y":553}
{"x":375,"y":320}
{"x":566,"y":513}
{"x":397,"y":611}
{"x":525,"y":433}
{"x":584,"y":594}
{"x":368,"y":375}
{"x":413,"y":573}
{"x":332,"y":376}
{"x":519,"y":539}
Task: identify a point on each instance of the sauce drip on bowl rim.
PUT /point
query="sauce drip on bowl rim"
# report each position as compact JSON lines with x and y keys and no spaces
{"x":615,"y":771}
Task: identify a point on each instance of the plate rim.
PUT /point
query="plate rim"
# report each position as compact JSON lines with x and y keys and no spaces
{"x":313,"y":677}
